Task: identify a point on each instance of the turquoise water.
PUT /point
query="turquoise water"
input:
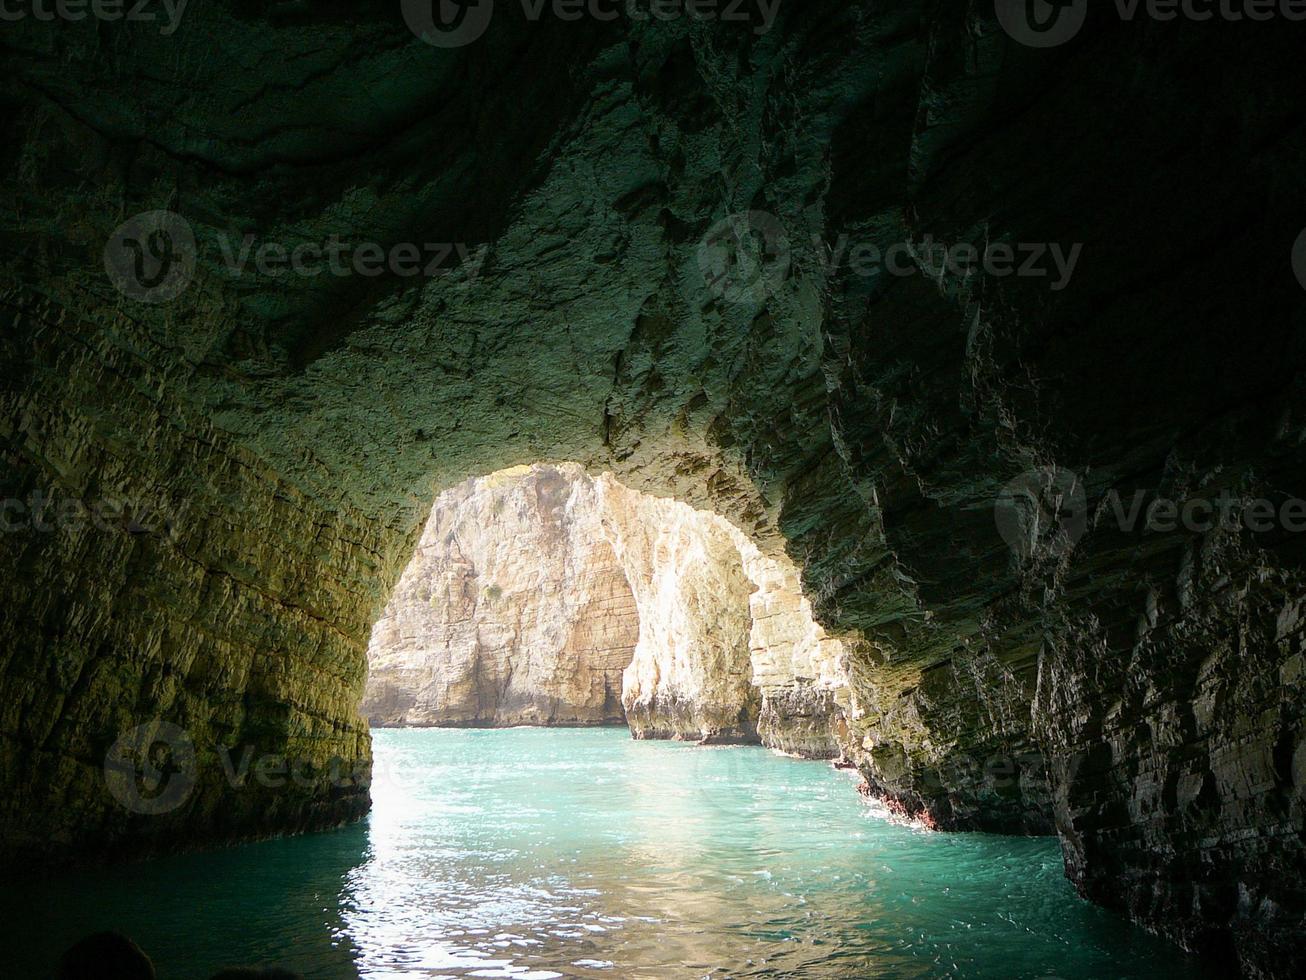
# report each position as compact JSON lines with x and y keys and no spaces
{"x":533,"y":854}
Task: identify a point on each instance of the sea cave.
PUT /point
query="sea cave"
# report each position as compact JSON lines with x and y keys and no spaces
{"x":666,"y":488}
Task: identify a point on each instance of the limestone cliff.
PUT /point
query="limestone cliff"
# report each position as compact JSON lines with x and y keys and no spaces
{"x":800,"y":671}
{"x":541,"y":595}
{"x":691,"y":676}
{"x":513,"y":611}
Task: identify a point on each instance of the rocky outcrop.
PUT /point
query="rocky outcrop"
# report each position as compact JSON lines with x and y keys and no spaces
{"x":1204,"y":670}
{"x":1138,"y":690}
{"x":800,"y":671}
{"x":691,"y":676}
{"x":541,"y":595}
{"x":513,"y":611}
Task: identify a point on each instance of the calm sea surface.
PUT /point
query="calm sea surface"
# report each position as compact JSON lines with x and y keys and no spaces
{"x":533,"y":854}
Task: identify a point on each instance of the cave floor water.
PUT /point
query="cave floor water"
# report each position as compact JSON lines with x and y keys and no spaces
{"x":533,"y":854}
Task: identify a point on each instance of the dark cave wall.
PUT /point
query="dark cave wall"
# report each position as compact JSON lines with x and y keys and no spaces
{"x":1140,"y":692}
{"x":1161,"y":665}
{"x":229,"y":605}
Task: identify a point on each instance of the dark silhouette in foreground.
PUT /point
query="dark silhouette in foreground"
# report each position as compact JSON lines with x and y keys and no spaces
{"x":112,"y":956}
{"x":105,"y":956}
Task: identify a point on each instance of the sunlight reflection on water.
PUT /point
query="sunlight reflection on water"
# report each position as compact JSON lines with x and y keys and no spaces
{"x":532,"y":854}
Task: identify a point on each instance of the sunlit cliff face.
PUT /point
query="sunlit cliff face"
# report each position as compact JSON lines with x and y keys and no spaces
{"x":542,"y":595}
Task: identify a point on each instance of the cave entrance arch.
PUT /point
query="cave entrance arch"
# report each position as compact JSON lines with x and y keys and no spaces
{"x":546,"y":595}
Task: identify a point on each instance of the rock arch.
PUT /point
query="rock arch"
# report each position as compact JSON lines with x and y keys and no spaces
{"x":542,"y":595}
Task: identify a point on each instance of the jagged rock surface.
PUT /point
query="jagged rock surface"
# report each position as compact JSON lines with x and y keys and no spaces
{"x":540,"y":595}
{"x":800,"y":671}
{"x":691,"y":676}
{"x":1140,"y":691}
{"x":513,"y":611}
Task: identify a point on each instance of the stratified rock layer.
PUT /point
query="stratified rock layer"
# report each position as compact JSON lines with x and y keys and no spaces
{"x":513,"y":611}
{"x":541,"y":595}
{"x":800,"y":671}
{"x":1142,"y":690}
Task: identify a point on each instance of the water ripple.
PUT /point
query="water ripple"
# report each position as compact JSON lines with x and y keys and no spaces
{"x":530,"y":855}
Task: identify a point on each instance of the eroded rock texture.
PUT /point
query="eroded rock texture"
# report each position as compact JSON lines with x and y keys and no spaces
{"x":1140,"y":691}
{"x":800,"y":671}
{"x":513,"y":611}
{"x":541,"y":595}
{"x":691,"y":676}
